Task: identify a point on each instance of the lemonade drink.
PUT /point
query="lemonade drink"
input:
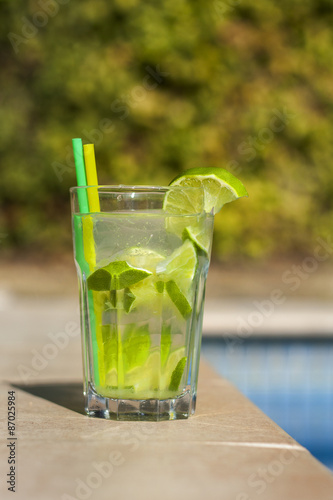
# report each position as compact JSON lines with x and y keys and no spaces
{"x":142,"y":267}
{"x":142,"y":256}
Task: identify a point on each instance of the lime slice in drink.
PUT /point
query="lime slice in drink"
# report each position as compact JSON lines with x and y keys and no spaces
{"x":146,"y":296}
{"x":135,"y":346}
{"x":172,"y":368}
{"x":175,"y":275}
{"x":141,"y":257}
{"x":142,"y":293}
{"x":151,"y":379}
{"x":178,"y":298}
{"x":199,"y":235}
{"x":172,"y":361}
{"x":219,"y":185}
{"x":177,"y":374}
{"x":180,"y":266}
{"x":163,"y":381}
{"x":144,"y":379}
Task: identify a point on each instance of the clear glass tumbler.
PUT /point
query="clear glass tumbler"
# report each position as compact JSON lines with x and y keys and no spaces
{"x":142,"y":261}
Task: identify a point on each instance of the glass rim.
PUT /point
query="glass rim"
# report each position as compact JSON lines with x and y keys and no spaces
{"x":138,"y":188}
{"x":140,"y":193}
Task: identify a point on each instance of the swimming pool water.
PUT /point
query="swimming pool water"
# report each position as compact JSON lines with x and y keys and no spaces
{"x":291,"y":380}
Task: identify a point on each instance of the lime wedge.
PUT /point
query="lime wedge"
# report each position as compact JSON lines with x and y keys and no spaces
{"x":116,"y":276}
{"x":172,"y":361}
{"x":143,"y":292}
{"x":178,"y":298}
{"x":184,"y":201}
{"x":146,"y":295}
{"x":219,"y":185}
{"x":140,"y":257}
{"x":180,"y":266}
{"x":175,"y":275}
{"x":177,"y":374}
{"x":144,"y":379}
{"x":154,"y":378}
{"x":200,"y":236}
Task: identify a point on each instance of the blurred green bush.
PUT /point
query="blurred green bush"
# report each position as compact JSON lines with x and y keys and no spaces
{"x":161,"y":87}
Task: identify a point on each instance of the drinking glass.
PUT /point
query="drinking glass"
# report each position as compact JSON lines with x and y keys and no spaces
{"x":142,"y":261}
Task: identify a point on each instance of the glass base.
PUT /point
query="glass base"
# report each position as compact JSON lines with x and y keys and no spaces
{"x":139,"y":409}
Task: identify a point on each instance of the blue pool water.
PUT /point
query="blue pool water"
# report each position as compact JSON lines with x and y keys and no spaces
{"x":290,"y":380}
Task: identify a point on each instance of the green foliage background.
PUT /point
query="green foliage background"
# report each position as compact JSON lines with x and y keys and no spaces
{"x":228,"y":70}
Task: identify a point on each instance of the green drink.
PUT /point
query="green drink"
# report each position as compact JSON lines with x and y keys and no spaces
{"x":142,"y":262}
{"x":142,"y":278}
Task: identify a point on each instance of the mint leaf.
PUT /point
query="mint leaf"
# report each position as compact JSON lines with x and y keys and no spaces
{"x":123,"y":275}
{"x":116,"y":276}
{"x":99,"y":281}
{"x":129,"y":298}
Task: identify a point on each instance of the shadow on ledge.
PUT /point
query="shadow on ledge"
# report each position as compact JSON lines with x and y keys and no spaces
{"x":68,"y":395}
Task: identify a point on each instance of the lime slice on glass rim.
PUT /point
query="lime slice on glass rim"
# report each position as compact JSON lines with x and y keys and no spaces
{"x":219,"y":186}
{"x":183,"y":207}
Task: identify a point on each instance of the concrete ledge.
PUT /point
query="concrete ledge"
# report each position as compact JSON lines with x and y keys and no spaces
{"x":228,"y":450}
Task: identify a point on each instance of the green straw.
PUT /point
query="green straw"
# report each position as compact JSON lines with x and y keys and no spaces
{"x":80,"y":175}
{"x":84,"y":209}
{"x":81,"y":194}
